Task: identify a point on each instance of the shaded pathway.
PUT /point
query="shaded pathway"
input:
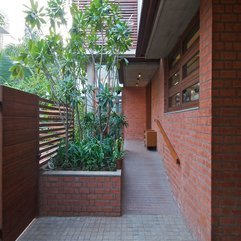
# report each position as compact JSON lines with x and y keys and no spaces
{"x":146,"y":188}
{"x":150,"y":213}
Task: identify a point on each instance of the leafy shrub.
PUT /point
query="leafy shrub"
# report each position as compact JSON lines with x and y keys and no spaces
{"x":74,"y":161}
{"x":89,"y":154}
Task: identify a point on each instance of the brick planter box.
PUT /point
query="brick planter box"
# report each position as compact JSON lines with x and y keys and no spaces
{"x":79,"y":193}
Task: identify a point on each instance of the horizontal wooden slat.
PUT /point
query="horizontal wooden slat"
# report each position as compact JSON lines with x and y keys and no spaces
{"x":51,"y":128}
{"x":19,"y":166}
{"x":57,"y":118}
{"x":50,"y":124}
{"x":17,"y":96}
{"x":45,"y":107}
{"x":55,"y":112}
{"x":53,"y":141}
{"x":18,"y":150}
{"x":49,"y":153}
{"x":13,"y":137}
{"x":45,"y":100}
{"x":46,"y":159}
{"x":11,"y":109}
{"x":47,"y":143}
{"x":42,"y":150}
{"x":47,"y":136}
{"x":19,"y":123}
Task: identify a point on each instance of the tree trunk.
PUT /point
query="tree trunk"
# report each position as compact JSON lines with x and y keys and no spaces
{"x":67,"y":134}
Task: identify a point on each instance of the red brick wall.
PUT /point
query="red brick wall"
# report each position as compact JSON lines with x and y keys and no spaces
{"x":190,"y":134}
{"x":134,"y":108}
{"x":226,"y":104}
{"x":80,"y":195}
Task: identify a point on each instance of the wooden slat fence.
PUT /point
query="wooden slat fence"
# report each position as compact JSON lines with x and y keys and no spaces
{"x":52,"y":128}
{"x":31,"y":129}
{"x":19,"y":168}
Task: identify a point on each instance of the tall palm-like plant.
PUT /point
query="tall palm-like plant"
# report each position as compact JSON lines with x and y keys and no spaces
{"x":97,"y":36}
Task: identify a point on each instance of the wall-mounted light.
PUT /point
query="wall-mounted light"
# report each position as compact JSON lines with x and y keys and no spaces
{"x":138,"y":79}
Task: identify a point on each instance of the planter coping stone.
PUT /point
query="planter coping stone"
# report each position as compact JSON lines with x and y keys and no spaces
{"x":83,"y":173}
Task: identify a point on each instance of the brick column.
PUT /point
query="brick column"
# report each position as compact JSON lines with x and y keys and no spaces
{"x":226,"y":124}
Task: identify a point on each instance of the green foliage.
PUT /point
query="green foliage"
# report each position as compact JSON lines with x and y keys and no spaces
{"x":56,"y":13}
{"x":5,"y":64}
{"x":74,"y":161}
{"x":2,"y":20}
{"x":36,"y":84}
{"x":105,"y":121}
{"x":118,"y":150}
{"x":88,"y":154}
{"x":34,"y":15}
{"x":117,"y":123}
{"x":99,"y":149}
{"x":97,"y":37}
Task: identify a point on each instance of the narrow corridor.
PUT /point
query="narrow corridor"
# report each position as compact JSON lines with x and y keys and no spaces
{"x":149,"y":211}
{"x":146,"y":188}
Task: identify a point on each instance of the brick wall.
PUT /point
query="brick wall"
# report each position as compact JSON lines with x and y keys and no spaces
{"x":226,"y":104}
{"x":74,"y":195}
{"x":134,"y":108}
{"x":190,"y":134}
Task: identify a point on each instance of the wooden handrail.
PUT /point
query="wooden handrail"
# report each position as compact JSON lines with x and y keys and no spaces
{"x":168,"y":143}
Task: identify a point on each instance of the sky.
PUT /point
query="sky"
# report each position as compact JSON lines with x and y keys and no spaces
{"x":13,"y":11}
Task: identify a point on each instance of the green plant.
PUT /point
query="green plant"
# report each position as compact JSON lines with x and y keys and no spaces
{"x":74,"y":161}
{"x":88,"y":154}
{"x":2,"y":20}
{"x":117,"y":123}
{"x":35,"y":84}
{"x":96,"y":38}
{"x":118,"y":150}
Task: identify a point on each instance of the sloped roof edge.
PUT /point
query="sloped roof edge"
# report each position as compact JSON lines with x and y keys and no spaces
{"x":148,"y":15}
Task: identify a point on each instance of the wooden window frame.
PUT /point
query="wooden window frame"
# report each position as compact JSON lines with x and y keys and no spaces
{"x":189,"y":80}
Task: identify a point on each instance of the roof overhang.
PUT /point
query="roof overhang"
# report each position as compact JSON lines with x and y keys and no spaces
{"x":129,"y":73}
{"x":162,"y":23}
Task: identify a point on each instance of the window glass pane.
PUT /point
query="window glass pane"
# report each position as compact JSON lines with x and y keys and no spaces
{"x":174,"y":59}
{"x":191,"y":93}
{"x":191,"y":38}
{"x":174,"y":80}
{"x":174,"y":100}
{"x":191,"y":65}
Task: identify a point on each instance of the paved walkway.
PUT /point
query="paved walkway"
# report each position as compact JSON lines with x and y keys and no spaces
{"x":146,"y":188}
{"x":149,"y":211}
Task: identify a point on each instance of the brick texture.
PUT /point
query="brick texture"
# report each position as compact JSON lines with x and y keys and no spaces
{"x":80,"y":195}
{"x":134,"y":108}
{"x":207,"y":184}
{"x":190,"y":133}
{"x":226,"y":131}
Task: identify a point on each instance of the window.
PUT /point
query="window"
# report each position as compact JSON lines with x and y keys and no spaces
{"x":182,"y":88}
